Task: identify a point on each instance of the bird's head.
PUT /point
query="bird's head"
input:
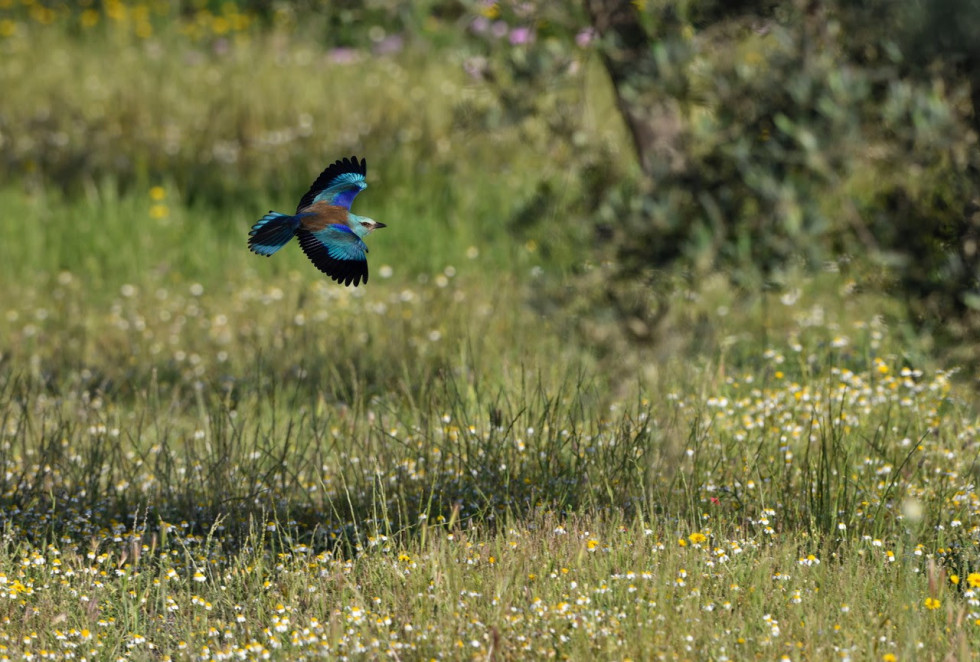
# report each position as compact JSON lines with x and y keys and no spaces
{"x":363,"y":226}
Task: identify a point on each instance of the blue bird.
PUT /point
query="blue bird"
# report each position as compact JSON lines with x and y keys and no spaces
{"x":329,"y":234}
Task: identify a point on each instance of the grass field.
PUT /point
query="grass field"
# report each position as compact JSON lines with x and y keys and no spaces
{"x":207,"y":454}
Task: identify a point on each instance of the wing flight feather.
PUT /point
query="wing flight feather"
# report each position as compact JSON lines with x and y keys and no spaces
{"x":337,"y":252}
{"x":338,"y":184}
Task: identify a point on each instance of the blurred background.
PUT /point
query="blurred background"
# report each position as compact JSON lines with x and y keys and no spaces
{"x":623,"y":182}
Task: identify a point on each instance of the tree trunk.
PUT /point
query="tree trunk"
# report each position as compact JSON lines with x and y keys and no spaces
{"x":626,"y":53}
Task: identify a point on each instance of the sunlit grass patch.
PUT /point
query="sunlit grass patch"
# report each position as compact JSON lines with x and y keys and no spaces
{"x":532,"y":587}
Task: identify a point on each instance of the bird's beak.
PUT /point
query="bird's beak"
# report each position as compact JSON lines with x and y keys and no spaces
{"x":379,"y":225}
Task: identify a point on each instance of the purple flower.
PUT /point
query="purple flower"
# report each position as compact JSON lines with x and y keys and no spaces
{"x":499,"y":29}
{"x":525,"y":9}
{"x":475,"y":67}
{"x":343,"y":55}
{"x":221,"y":46}
{"x":480,"y":24}
{"x":520,"y":36}
{"x":585,"y":37}
{"x":391,"y":44}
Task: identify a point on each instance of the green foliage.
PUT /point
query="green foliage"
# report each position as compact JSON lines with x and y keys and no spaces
{"x":781,"y":142}
{"x":770,"y":138}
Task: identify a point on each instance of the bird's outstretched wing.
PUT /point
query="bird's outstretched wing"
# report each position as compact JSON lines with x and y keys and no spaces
{"x":337,"y":252}
{"x":337,"y":184}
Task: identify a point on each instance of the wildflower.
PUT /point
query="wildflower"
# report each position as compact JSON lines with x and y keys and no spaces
{"x":521,"y":35}
{"x":932,"y":603}
{"x":973,"y":579}
{"x":772,"y":623}
{"x":585,"y":37}
{"x":697,"y":538}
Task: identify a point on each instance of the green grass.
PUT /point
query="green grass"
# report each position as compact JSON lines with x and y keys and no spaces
{"x":210,"y":454}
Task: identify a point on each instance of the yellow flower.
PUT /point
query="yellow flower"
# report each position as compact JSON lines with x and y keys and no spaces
{"x":220,"y":25}
{"x":697,"y":538}
{"x":889,"y":657}
{"x":973,"y":579}
{"x":158,"y":193}
{"x":954,"y":578}
{"x":89,"y":18}
{"x":932,"y":603}
{"x":42,"y":14}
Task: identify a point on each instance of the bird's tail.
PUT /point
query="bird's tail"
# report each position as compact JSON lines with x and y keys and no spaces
{"x":272,"y":232}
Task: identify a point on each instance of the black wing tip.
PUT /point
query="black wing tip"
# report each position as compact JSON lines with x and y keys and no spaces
{"x":345,"y":272}
{"x":353,"y":165}
{"x":347,"y":165}
{"x":347,"y":278}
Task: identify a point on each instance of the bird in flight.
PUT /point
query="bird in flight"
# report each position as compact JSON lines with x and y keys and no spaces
{"x":330,"y":235}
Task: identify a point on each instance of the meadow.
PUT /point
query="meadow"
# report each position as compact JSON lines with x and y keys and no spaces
{"x":211,"y":455}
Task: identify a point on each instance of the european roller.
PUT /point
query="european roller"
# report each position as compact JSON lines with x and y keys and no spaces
{"x":330,"y":235}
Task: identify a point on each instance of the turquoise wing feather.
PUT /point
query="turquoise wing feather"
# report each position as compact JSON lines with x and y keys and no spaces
{"x":337,"y":252}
